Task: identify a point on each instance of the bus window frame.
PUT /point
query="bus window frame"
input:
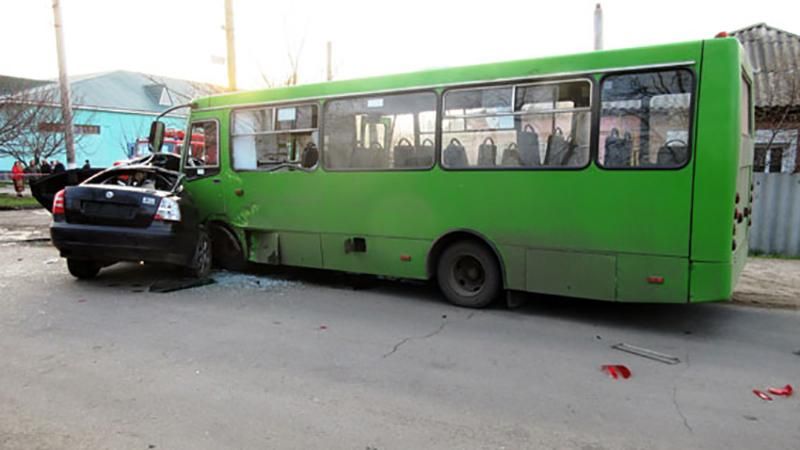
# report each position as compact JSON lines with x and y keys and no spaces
{"x":208,"y":170}
{"x":275,"y":106}
{"x":690,"y":138}
{"x":750,"y":102}
{"x":514,"y":84}
{"x":436,"y":132}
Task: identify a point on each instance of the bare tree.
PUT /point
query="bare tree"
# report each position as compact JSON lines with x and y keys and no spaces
{"x":293,"y":54}
{"x":31,"y":125}
{"x":781,"y":106}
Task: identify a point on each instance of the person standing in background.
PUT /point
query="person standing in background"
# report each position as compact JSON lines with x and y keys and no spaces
{"x":58,"y":167}
{"x":18,"y":177}
{"x":44,"y":167}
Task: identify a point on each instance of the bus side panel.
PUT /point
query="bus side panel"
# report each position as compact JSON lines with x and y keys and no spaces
{"x":643,"y":278}
{"x":715,"y":281}
{"x":402,"y":258}
{"x":716,"y":166}
{"x":513,"y":259}
{"x":575,"y":274}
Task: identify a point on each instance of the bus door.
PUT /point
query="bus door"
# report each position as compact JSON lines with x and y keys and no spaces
{"x":201,"y":165}
{"x":274,"y":157}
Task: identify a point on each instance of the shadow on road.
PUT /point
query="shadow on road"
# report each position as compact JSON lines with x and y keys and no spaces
{"x":669,"y":319}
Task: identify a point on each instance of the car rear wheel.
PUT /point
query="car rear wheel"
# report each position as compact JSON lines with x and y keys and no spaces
{"x":200,"y":265}
{"x":83,"y":269}
{"x":468,"y":275}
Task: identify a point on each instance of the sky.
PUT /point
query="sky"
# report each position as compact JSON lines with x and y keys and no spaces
{"x":186,"y":38}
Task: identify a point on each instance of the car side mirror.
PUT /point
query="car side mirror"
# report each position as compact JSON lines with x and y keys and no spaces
{"x":156,"y":137}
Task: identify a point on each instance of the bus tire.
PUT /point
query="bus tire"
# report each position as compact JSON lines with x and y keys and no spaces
{"x":468,"y":274}
{"x":83,"y":269}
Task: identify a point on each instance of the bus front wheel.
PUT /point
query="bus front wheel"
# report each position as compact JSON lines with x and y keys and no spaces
{"x":468,"y":275}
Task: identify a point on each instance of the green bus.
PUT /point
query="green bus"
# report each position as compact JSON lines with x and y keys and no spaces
{"x":620,"y":175}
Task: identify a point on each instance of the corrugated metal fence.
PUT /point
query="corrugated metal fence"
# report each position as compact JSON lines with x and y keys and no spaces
{"x":776,"y":214}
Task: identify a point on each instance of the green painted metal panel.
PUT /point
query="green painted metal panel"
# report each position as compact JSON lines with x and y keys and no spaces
{"x":632,"y":279}
{"x":710,"y":282}
{"x":382,"y":256}
{"x":514,"y":263}
{"x":573,"y":274}
{"x":300,"y":249}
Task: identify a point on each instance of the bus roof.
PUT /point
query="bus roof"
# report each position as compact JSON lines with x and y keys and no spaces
{"x":667,"y":54}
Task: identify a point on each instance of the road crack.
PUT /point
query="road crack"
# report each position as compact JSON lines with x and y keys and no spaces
{"x":675,"y":397}
{"x":411,"y":338}
{"x":678,"y":409}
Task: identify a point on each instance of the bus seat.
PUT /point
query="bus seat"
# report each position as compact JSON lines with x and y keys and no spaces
{"x":404,"y":153}
{"x":511,"y":156}
{"x":423,"y":156}
{"x":360,"y":158}
{"x":310,"y":156}
{"x":618,"y":149}
{"x":672,"y":154}
{"x":487,"y":153}
{"x":558,"y":149}
{"x":455,"y":155}
{"x":528,"y":142}
{"x":374,"y":157}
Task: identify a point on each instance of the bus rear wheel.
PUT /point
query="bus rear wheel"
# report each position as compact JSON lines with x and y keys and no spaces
{"x":468,"y":275}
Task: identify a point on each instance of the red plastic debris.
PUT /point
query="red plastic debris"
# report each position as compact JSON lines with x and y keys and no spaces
{"x":616,"y":371}
{"x":762,"y":395}
{"x":323,"y":327}
{"x":784,"y":391}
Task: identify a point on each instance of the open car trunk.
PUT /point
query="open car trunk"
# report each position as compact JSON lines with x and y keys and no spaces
{"x":45,"y":188}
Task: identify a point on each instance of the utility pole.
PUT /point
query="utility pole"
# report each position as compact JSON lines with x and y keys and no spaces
{"x":66,"y":102}
{"x":598,"y":27}
{"x":231,"y":48}
{"x":329,"y":60}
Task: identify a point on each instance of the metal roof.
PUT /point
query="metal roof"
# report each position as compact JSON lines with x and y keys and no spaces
{"x":775,"y":57}
{"x":122,"y":90}
{"x":9,"y":85}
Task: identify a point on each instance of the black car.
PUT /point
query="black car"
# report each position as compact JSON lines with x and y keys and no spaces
{"x":137,"y":211}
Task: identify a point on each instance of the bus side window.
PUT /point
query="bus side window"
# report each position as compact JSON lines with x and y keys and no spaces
{"x":269,"y":136}
{"x":644,"y":120}
{"x":547,"y":126}
{"x":380,"y":133}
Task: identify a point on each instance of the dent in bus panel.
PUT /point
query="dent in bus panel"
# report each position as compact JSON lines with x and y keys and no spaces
{"x":645,"y":119}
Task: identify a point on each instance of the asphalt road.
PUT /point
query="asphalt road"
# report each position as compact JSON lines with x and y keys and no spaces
{"x":303,"y":361}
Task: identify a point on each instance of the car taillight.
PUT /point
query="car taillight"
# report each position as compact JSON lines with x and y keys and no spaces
{"x":58,"y":203}
{"x":168,"y":210}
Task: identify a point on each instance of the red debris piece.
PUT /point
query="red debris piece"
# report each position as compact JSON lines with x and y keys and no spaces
{"x":616,"y":371}
{"x":83,"y":300}
{"x":784,"y":391}
{"x":323,"y":327}
{"x":760,"y":394}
